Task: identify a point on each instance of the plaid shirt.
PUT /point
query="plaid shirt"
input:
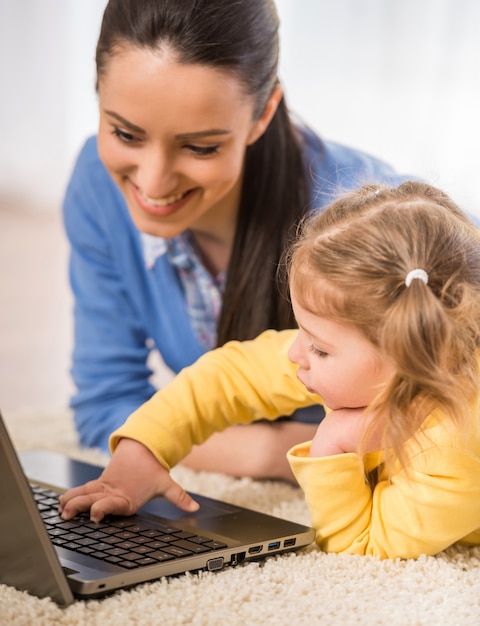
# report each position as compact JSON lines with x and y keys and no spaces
{"x":203,"y":292}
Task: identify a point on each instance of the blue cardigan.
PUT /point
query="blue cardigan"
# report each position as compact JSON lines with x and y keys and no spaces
{"x":122,"y":309}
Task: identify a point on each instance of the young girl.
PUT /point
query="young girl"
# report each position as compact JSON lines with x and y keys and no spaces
{"x":385,"y":286}
{"x":186,"y":198}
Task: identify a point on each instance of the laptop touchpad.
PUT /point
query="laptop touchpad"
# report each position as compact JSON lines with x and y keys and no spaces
{"x":208,"y":508}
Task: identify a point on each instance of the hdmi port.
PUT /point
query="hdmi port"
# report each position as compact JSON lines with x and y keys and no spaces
{"x":254,"y":549}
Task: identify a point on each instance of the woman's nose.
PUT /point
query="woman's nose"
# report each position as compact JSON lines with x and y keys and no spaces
{"x":156,"y":175}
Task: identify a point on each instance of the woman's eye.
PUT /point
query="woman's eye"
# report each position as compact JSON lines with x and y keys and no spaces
{"x":203,"y":150}
{"x":317,"y":352}
{"x":123,"y":136}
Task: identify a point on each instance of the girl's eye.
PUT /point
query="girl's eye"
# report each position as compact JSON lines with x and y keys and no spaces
{"x":317,"y":352}
{"x":203,"y":150}
{"x":123,"y":136}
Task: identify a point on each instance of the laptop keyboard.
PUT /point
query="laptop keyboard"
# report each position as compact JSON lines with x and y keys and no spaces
{"x":118,"y":540}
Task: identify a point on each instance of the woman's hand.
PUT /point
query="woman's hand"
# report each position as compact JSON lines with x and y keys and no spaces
{"x":132,"y":478}
{"x":342,"y":431}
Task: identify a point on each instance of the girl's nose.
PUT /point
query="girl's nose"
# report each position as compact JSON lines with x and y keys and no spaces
{"x":297,"y":352}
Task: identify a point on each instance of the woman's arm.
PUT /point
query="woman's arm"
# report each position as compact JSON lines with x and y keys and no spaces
{"x":110,"y":352}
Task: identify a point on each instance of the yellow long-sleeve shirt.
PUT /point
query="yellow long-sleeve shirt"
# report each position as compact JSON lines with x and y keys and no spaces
{"x":422,"y":511}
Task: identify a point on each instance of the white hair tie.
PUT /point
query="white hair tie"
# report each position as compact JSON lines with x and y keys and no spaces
{"x":416,"y":273}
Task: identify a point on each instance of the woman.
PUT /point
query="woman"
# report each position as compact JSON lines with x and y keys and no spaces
{"x":178,"y":211}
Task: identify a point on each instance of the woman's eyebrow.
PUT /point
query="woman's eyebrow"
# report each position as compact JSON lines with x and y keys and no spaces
{"x":185,"y":136}
{"x":125,"y":122}
{"x":203,"y":133}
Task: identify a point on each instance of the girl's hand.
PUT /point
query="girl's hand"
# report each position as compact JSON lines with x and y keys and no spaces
{"x":342,"y":431}
{"x":132,"y":478}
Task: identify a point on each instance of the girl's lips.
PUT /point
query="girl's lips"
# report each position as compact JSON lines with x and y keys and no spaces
{"x":161,"y":207}
{"x":309,"y":389}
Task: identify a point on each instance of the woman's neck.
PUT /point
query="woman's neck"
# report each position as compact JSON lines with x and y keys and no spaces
{"x":215,"y":233}
{"x":214,"y":251}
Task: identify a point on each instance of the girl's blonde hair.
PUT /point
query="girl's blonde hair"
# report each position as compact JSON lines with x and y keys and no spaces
{"x":350,"y":263}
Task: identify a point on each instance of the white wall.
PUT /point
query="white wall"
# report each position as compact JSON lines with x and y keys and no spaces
{"x":397,"y":78}
{"x":48,"y":104}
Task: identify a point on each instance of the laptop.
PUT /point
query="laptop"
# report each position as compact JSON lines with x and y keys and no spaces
{"x":42,"y":554}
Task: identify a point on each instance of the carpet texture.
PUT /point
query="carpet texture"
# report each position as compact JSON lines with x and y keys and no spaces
{"x":301,"y":589}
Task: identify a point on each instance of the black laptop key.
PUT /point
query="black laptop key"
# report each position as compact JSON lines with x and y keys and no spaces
{"x":113,"y":559}
{"x":141,"y":549}
{"x":196,"y":548}
{"x":177,"y":551}
{"x":98,"y":554}
{"x":184,"y":534}
{"x":112,"y":540}
{"x":161,"y":556}
{"x":146,"y":560}
{"x":97,"y":534}
{"x":116,"y":551}
{"x":131,"y":556}
{"x":140,"y":540}
{"x":128,"y":564}
{"x":71,"y":545}
{"x":157,"y":545}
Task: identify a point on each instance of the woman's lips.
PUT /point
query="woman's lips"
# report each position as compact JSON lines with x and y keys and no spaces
{"x":161,"y":207}
{"x":164,"y":201}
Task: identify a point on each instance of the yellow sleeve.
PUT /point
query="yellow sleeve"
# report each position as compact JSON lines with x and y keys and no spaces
{"x":236,"y":384}
{"x":434,"y":505}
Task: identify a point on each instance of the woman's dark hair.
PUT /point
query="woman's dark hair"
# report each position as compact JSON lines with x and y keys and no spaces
{"x":241,"y":37}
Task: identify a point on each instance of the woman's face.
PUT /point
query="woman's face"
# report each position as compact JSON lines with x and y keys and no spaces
{"x":173,"y":137}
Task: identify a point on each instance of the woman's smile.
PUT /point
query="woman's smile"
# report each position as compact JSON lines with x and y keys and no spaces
{"x":161,"y":207}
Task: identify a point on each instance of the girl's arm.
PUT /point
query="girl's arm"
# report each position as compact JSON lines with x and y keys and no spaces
{"x":342,"y":430}
{"x":238,"y":383}
{"x":423,"y":510}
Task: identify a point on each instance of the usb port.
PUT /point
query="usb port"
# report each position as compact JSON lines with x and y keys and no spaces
{"x":254,"y":549}
{"x":273,"y":545}
{"x":288,"y":543}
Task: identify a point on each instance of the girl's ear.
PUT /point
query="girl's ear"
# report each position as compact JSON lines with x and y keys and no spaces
{"x":261,"y":125}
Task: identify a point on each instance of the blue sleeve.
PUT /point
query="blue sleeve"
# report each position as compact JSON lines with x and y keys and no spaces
{"x":110,"y":344}
{"x":334,"y":169}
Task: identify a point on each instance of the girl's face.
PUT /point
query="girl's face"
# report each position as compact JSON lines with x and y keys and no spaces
{"x":173,"y":137}
{"x":337,"y":361}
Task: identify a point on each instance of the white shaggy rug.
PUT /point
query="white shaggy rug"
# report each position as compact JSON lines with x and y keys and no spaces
{"x":301,"y":589}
